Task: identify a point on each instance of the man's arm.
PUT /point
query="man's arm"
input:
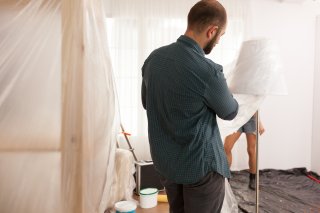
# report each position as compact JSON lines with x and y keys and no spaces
{"x":218,"y":96}
{"x":143,"y":94}
{"x":143,"y":89}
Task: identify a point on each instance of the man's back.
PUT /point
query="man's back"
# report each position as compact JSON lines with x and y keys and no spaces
{"x":183,"y":93}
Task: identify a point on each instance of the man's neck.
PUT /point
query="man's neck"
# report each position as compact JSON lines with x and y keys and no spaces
{"x":196,"y":37}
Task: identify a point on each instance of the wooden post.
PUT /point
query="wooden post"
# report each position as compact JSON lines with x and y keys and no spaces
{"x":73,"y":67}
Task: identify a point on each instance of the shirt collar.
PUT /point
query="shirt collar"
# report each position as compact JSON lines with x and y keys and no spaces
{"x":190,"y":42}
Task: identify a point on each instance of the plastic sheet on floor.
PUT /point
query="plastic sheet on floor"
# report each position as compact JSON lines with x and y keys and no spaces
{"x":294,"y":190}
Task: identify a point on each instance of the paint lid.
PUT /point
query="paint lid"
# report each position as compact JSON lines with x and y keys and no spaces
{"x":149,"y":191}
{"x":125,"y":206}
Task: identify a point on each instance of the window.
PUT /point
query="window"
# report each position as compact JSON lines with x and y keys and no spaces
{"x":132,"y":39}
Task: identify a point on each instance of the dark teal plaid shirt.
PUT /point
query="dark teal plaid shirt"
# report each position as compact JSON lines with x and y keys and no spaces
{"x":183,"y":92}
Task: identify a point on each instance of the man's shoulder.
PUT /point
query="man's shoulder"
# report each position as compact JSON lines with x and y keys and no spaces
{"x":164,"y":49}
{"x":214,"y":70}
{"x":213,"y":66}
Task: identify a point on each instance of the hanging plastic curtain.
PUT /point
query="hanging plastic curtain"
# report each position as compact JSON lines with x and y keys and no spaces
{"x":58,"y":112}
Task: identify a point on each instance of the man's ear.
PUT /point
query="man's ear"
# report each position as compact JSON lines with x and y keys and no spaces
{"x":212,"y":30}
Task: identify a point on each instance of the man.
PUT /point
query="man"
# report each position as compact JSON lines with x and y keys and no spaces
{"x":183,"y":92}
{"x":249,"y":129}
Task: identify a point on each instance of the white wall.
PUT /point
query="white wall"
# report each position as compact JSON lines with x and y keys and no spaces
{"x":315,"y":164}
{"x":287,"y":142}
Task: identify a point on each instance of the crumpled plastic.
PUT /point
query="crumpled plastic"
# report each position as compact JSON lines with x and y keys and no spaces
{"x":280,"y":191}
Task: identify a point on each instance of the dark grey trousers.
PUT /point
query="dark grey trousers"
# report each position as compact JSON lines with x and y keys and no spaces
{"x":205,"y":196}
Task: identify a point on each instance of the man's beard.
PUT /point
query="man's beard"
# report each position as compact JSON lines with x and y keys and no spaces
{"x":208,"y":48}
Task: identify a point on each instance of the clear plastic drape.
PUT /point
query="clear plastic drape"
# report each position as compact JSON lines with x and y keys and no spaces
{"x":58,"y":112}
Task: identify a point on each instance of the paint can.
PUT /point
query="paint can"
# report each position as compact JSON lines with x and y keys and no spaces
{"x":148,"y":198}
{"x":125,"y":207}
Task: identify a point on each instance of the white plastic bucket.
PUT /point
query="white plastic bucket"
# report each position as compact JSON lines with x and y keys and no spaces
{"x":148,"y":198}
{"x":125,"y":207}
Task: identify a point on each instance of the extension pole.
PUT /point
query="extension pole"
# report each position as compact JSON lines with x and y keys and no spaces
{"x":257,"y":162}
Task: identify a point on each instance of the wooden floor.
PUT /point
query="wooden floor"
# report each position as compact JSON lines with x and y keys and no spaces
{"x":160,"y":208}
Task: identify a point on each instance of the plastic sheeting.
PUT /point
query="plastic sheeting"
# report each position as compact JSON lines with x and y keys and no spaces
{"x":258,"y":69}
{"x":124,"y":182}
{"x":248,"y":105}
{"x":256,"y":73}
{"x":230,"y":204}
{"x":280,"y":191}
{"x":58,"y":111}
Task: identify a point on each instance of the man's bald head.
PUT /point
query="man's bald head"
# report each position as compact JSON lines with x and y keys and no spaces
{"x":206,"y":13}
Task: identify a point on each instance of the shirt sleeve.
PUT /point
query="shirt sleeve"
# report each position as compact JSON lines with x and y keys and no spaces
{"x":143,"y":95}
{"x":218,"y":96}
{"x":143,"y":91}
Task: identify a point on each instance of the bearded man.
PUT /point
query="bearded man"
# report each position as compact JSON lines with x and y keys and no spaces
{"x":183,"y":92}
